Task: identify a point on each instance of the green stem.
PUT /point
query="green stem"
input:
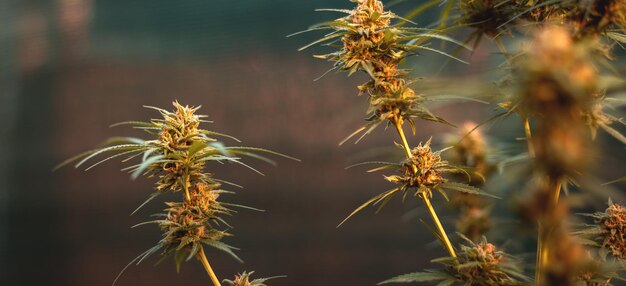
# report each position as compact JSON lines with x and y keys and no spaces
{"x":529,"y":138}
{"x":207,"y":267}
{"x":187,"y":196}
{"x":544,"y":233}
{"x":429,"y":206}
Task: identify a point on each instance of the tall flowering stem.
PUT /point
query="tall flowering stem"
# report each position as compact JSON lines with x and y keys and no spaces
{"x":207,"y":267}
{"x":177,"y":156}
{"x":373,"y":44}
{"x":433,"y":214}
{"x":558,"y":84}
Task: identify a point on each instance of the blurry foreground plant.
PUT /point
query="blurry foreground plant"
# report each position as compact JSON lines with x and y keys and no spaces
{"x":554,"y":85}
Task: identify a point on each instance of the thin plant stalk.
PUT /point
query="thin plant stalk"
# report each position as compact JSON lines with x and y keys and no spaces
{"x":531,"y":149}
{"x":544,"y":233}
{"x":442,"y":233}
{"x":187,"y":196}
{"x":207,"y":267}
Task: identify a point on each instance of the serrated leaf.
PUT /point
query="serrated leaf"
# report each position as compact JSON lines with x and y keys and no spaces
{"x":447,"y":282}
{"x":123,"y":147}
{"x":368,"y":202}
{"x":459,"y":187}
{"x":417,"y":277}
{"x":223,"y":247}
{"x":145,"y":164}
{"x":196,"y":147}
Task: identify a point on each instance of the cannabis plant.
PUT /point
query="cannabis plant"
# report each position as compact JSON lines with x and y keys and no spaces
{"x":176,"y":156}
{"x":477,"y":264}
{"x":371,"y":42}
{"x":607,"y":231}
{"x":557,"y":84}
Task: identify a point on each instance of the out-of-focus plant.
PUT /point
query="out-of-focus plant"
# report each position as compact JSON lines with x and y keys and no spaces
{"x":471,"y":148}
{"x":176,"y":157}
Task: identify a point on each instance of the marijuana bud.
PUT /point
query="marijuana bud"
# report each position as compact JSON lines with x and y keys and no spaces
{"x":177,"y":156}
{"x":480,"y":264}
{"x":608,"y":231}
{"x":373,"y":44}
{"x":613,"y":224}
{"x":190,"y":224}
{"x":483,"y":264}
{"x":243,"y":279}
{"x":422,"y":172}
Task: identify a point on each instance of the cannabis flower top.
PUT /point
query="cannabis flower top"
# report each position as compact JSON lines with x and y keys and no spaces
{"x":370,"y":42}
{"x":608,"y":232}
{"x":243,"y":279}
{"x":190,"y":224}
{"x":177,"y":155}
{"x":477,"y":264}
{"x":423,"y":171}
{"x":420,"y":175}
{"x":613,"y":224}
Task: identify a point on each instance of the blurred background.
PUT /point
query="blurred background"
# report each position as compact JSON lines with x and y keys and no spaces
{"x":70,"y":68}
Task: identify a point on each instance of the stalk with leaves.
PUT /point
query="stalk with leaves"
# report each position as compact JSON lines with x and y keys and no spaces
{"x":368,"y":41}
{"x":553,"y":84}
{"x":559,"y":92}
{"x":176,"y":157}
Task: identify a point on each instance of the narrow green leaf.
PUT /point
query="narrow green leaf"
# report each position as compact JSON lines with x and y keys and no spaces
{"x":417,"y":277}
{"x":145,"y":164}
{"x":223,"y":247}
{"x":367,"y":203}
{"x":123,"y":147}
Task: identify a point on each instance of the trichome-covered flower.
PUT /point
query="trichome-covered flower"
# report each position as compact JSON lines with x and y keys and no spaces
{"x":190,"y":224}
{"x":177,"y":155}
{"x":423,"y":172}
{"x":370,"y":42}
{"x":608,"y":231}
{"x":419,"y":176}
{"x":477,"y":264}
{"x":244,"y":279}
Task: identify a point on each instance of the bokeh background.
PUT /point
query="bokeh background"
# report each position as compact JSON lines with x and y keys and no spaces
{"x":70,"y":68}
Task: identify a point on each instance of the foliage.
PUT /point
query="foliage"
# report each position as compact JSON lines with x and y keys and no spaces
{"x":428,"y":177}
{"x":367,"y":40}
{"x":560,"y":85}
